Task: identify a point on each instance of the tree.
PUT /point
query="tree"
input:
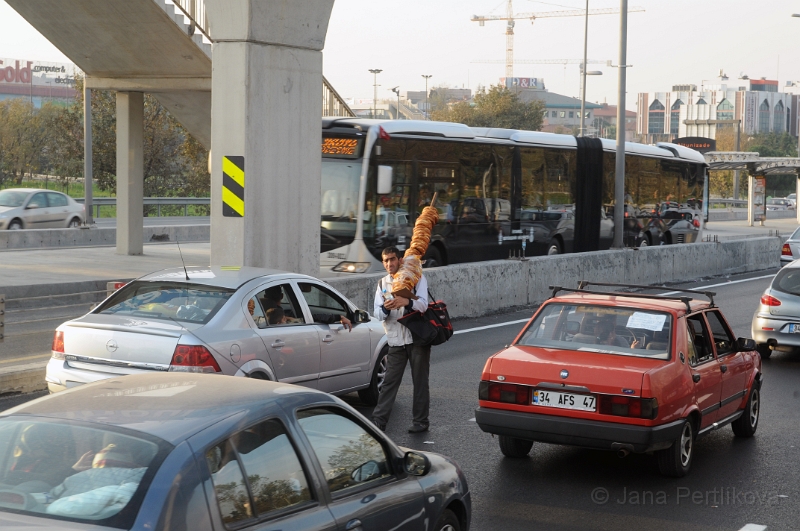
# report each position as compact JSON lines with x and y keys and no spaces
{"x":497,"y":107}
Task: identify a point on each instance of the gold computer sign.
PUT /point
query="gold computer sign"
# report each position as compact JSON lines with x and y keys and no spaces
{"x":233,"y":186}
{"x":343,"y":147}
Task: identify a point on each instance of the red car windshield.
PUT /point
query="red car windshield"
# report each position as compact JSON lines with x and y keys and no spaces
{"x":602,"y":329}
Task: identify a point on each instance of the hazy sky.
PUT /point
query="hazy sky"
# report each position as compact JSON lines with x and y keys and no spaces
{"x":672,"y":42}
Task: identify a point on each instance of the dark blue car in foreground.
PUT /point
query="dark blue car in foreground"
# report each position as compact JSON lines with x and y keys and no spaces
{"x":196,"y":452}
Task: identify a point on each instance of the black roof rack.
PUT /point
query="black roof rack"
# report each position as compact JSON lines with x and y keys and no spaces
{"x":584,"y":283}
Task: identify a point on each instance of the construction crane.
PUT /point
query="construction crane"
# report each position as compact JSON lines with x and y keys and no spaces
{"x":544,"y":61}
{"x":510,"y":17}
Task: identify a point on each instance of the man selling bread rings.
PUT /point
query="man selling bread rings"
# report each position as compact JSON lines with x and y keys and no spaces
{"x":389,"y":308}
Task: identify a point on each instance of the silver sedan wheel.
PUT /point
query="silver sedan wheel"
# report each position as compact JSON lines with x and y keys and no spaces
{"x":553,"y":249}
{"x":75,"y":223}
{"x":15,"y":225}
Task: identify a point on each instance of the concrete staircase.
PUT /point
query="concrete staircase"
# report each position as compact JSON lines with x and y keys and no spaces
{"x":188,"y":26}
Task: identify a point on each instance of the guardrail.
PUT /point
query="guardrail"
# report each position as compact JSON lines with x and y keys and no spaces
{"x":97,"y":202}
{"x":728,"y":202}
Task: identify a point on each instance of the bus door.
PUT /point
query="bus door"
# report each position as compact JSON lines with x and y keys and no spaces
{"x":442,"y":179}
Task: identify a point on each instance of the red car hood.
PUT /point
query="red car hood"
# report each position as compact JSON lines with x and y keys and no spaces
{"x":599,"y":372}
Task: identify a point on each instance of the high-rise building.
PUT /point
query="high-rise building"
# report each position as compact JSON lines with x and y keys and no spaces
{"x":688,"y":112}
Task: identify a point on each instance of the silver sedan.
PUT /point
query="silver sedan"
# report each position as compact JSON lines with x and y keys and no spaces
{"x":791,"y":248}
{"x":32,"y":208}
{"x":252,"y":322}
{"x":776,"y":323}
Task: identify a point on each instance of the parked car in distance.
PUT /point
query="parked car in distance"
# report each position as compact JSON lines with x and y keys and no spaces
{"x":623,"y":372}
{"x":31,"y":208}
{"x":200,"y":452}
{"x":793,"y":199}
{"x":776,"y":321}
{"x":240,"y":321}
{"x":779,"y":203}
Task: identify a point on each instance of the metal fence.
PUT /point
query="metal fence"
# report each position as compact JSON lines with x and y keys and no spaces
{"x":98,"y":202}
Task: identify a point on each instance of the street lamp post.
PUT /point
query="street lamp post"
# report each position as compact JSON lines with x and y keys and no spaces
{"x":375,"y":72}
{"x":584,"y":73}
{"x":427,"y":108}
{"x":619,"y":178}
{"x":396,"y":90}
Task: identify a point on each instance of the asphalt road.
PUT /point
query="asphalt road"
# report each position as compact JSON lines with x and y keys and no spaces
{"x":733,"y":482}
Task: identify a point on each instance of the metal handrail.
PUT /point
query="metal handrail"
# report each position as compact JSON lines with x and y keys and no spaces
{"x":195,"y":11}
{"x":332,"y":103}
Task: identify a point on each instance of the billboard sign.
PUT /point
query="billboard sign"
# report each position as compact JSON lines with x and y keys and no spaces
{"x":534,"y":83}
{"x":37,"y":73}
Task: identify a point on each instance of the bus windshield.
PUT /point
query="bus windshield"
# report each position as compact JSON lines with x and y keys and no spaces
{"x":340,"y":181}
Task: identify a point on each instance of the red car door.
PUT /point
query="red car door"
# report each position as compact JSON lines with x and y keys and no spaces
{"x":705,"y":369}
{"x":733,"y":365}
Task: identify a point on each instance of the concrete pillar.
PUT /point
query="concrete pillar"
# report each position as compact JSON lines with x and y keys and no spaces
{"x":130,"y":172}
{"x":266,"y":107}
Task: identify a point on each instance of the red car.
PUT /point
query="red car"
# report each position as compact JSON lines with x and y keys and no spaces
{"x":621,"y":371}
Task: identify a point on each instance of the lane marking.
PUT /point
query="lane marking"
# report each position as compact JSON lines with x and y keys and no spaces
{"x":477,"y":328}
{"x":753,"y":527}
{"x":721,"y":284}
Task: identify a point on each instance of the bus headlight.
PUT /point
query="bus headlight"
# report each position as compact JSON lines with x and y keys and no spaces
{"x":351,"y":267}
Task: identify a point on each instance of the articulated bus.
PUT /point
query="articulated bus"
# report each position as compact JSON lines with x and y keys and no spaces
{"x":500,"y":192}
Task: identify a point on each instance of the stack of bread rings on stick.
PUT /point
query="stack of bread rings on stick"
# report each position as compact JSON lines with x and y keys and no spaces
{"x":406,"y":278}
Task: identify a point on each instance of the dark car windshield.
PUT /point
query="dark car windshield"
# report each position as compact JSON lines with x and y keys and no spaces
{"x":603,"y":329}
{"x":194,"y":303}
{"x":73,"y":471}
{"x":787,"y":281}
{"x":12,"y":198}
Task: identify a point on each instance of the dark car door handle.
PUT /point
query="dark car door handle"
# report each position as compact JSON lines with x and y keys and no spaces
{"x":278,"y":343}
{"x":353,"y":525}
{"x":695,"y":378}
{"x":723,"y":368}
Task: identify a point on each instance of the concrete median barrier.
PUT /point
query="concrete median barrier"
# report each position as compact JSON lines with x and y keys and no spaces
{"x":471,"y":290}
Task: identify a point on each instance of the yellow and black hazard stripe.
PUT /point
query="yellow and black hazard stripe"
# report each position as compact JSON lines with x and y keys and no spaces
{"x":233,"y":187}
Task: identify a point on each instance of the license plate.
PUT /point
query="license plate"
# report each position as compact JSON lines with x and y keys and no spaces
{"x":564,"y":400}
{"x":794,"y":328}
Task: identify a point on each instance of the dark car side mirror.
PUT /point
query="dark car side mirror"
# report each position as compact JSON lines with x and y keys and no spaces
{"x":744,"y":344}
{"x":416,"y":464}
{"x":361,"y":317}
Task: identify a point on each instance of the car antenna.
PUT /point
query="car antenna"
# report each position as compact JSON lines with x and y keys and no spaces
{"x":182,"y":262}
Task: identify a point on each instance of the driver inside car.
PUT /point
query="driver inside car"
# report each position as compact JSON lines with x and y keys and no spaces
{"x":607,"y":335}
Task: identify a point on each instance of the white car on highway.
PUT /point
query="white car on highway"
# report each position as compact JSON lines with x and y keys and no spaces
{"x":246,"y":321}
{"x":32,"y":208}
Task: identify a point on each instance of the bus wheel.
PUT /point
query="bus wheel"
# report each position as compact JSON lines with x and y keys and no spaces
{"x":433,"y":258}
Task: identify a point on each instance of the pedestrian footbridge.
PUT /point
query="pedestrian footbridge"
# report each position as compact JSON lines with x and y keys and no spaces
{"x":257,"y":102}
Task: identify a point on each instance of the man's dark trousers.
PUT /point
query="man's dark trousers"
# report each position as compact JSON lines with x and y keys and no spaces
{"x":420,"y":358}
